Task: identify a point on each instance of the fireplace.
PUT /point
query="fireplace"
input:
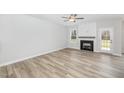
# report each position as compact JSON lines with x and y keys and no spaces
{"x":87,"y":45}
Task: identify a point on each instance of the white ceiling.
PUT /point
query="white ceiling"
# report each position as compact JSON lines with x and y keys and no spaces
{"x":88,"y":17}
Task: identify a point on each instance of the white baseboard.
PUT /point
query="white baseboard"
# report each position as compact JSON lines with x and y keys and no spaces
{"x":116,"y":54}
{"x":25,"y":58}
{"x":74,"y":48}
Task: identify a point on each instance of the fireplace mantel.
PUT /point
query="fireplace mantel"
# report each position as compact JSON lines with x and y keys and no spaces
{"x":91,"y":37}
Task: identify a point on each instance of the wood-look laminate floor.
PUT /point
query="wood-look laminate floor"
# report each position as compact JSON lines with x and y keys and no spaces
{"x":67,"y":63}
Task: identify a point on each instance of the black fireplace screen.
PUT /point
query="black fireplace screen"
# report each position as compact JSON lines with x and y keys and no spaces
{"x":86,"y":45}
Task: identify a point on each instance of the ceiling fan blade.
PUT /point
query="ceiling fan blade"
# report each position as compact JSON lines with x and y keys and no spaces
{"x":79,"y":18}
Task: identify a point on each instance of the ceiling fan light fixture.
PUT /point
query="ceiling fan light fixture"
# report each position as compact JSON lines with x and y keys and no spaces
{"x":72,"y":20}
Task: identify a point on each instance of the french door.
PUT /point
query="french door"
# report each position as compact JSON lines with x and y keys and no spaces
{"x":106,"y":40}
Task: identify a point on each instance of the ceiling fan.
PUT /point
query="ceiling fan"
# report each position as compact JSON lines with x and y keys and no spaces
{"x":72,"y":18}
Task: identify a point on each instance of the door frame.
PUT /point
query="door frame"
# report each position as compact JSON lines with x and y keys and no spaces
{"x":111,"y":37}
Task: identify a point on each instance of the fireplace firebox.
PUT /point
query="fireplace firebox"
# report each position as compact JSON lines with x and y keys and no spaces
{"x":87,"y":45}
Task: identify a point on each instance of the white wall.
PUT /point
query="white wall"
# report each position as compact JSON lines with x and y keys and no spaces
{"x":87,"y":29}
{"x":23,"y":36}
{"x":122,"y":37}
{"x":116,"y":24}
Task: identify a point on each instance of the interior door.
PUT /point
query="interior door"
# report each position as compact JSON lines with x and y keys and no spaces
{"x":106,"y":40}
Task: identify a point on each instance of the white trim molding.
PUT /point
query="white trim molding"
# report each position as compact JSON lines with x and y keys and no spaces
{"x":29,"y":57}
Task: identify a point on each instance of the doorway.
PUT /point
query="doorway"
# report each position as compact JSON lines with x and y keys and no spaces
{"x":106,"y":40}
